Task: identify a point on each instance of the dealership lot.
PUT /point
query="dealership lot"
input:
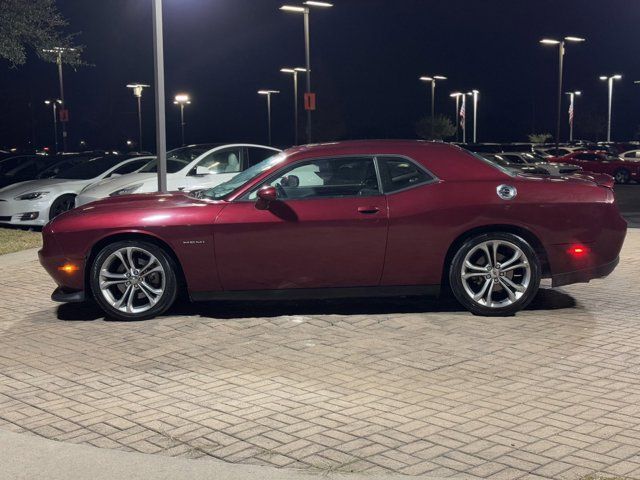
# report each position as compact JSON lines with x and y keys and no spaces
{"x":410,"y":386}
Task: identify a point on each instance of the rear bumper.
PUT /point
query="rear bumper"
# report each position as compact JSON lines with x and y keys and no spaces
{"x":63,"y":295}
{"x":584,"y":275}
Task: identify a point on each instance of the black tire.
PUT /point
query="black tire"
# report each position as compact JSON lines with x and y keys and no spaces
{"x":62,"y":204}
{"x":169,"y":288}
{"x":464,"y":297}
{"x":622,"y":176}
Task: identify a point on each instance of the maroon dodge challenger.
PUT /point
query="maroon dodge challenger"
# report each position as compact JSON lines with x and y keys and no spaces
{"x":347,"y":219}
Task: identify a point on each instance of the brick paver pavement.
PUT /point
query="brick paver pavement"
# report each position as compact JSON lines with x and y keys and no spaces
{"x":406,"y":385}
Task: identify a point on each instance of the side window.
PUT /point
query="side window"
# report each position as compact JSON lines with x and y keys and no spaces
{"x":399,"y":173}
{"x":326,"y":178}
{"x":129,"y":167}
{"x":513,"y":159}
{"x":256,"y":155}
{"x":221,"y":161}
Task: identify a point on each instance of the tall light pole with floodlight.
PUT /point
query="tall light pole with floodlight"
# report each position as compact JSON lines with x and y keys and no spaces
{"x":561,"y":51}
{"x":268,"y":93}
{"x":304,"y":9}
{"x":54,"y":104}
{"x":433,"y":81}
{"x":294,"y":73}
{"x":137,"y":92}
{"x":457,"y":96}
{"x":475,"y":94}
{"x":610,"y":79}
{"x":182,"y":99}
{"x":59,"y":52}
{"x":572,"y":97}
{"x":158,"y":69}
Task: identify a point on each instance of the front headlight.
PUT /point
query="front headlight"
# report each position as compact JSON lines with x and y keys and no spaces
{"x":31,"y":196}
{"x":126,"y":190}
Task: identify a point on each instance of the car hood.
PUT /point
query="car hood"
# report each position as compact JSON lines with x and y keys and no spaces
{"x":144,"y":201}
{"x":37,"y":185}
{"x":105,"y":187}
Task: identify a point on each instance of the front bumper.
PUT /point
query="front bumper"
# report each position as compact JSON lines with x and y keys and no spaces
{"x":585,"y":275}
{"x":64,"y":295}
{"x":16,"y":212}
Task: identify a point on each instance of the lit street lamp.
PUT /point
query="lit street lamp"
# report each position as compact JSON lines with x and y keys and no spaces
{"x":561,"y":52}
{"x":609,"y":81}
{"x":572,"y":96}
{"x":59,"y":52}
{"x":307,"y":47}
{"x":457,"y":96}
{"x":137,"y":92}
{"x":474,"y":94}
{"x":268,"y":94}
{"x":294,"y":73}
{"x":433,"y":81}
{"x":182,"y":99}
{"x":54,"y":104}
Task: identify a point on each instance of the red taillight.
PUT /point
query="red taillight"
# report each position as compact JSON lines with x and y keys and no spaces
{"x":578,"y":250}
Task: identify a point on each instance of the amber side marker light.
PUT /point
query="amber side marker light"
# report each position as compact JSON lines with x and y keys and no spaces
{"x":69,"y":268}
{"x":578,"y":251}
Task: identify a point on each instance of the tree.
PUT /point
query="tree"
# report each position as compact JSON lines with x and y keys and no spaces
{"x":540,"y":137}
{"x":34,"y":25}
{"x":439,"y":129}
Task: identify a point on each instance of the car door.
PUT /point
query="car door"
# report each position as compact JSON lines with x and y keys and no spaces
{"x":216,"y":167}
{"x":328,"y":228}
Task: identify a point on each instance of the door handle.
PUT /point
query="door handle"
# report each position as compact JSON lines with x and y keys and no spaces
{"x":368,"y":210}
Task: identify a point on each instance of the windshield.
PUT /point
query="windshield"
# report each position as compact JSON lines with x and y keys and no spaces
{"x":11,"y":163}
{"x":239,"y":180}
{"x":90,"y":169}
{"x":178,"y":159}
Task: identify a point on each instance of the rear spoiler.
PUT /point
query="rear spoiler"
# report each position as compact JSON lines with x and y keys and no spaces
{"x":600,"y":179}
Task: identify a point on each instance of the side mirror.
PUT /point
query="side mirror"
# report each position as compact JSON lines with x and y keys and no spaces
{"x":202,"y":171}
{"x":268,"y":194}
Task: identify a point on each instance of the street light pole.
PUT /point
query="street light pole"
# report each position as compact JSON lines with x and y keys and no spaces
{"x":475,"y":94}
{"x":161,"y":126}
{"x":433,"y":81}
{"x":561,"y":51}
{"x":268,"y":94}
{"x":137,"y":92}
{"x":572,"y":96}
{"x":59,"y":52}
{"x":54,"y":103}
{"x":307,"y":45}
{"x":457,"y":96}
{"x":294,"y":73}
{"x":609,"y":81}
{"x":464,"y":118}
{"x":182,"y":99}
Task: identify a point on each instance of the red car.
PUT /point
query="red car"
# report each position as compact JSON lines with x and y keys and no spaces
{"x":363,"y":218}
{"x":600,"y":162}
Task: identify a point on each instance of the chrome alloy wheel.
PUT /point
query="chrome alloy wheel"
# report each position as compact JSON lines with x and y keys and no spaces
{"x":496,"y":273}
{"x":132,"y":280}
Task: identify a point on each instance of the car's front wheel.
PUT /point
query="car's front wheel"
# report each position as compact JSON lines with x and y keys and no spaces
{"x":62,"y":204}
{"x":133,"y":280}
{"x":622,"y":176}
{"x":495,"y":274}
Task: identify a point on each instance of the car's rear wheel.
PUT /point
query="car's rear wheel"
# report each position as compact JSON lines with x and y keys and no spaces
{"x":133,"y":280}
{"x":62,"y":204}
{"x":622,"y":175}
{"x":495,"y":274}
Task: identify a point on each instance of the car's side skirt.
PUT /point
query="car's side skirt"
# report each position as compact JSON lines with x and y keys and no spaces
{"x":319,"y":293}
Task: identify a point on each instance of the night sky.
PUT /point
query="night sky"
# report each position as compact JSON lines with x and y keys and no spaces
{"x":367,"y":56}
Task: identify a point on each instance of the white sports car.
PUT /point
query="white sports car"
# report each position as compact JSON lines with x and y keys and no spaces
{"x":35,"y":202}
{"x":189,"y":168}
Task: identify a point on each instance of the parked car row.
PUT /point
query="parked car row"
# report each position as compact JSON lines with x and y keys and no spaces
{"x":39,"y":188}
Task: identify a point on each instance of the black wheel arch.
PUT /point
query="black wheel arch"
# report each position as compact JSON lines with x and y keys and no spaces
{"x":524,"y":233}
{"x":117,"y":237}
